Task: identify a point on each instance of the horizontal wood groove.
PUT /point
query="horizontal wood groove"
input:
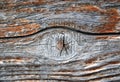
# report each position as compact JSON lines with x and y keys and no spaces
{"x":66,"y":28}
{"x":32,"y":32}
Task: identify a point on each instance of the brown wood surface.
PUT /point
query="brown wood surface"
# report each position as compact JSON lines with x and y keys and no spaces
{"x":39,"y":57}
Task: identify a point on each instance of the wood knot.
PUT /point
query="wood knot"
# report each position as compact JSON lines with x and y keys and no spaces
{"x":61,"y":45}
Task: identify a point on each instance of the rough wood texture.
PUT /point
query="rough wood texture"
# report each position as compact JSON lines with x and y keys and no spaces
{"x":42,"y":58}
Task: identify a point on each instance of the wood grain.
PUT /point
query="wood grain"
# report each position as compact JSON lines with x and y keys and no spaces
{"x":93,"y":59}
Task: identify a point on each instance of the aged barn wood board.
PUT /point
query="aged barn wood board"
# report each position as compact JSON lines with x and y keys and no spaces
{"x":59,"y":40}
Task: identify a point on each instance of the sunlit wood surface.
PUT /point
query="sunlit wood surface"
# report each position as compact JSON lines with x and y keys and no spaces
{"x":42,"y":58}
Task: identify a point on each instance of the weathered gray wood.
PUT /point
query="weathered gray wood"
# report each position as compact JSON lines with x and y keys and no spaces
{"x":41,"y":57}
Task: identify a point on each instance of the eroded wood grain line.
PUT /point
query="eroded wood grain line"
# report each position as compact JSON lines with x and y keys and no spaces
{"x":26,"y":60}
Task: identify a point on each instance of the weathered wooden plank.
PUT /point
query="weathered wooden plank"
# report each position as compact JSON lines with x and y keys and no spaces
{"x":59,"y":54}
